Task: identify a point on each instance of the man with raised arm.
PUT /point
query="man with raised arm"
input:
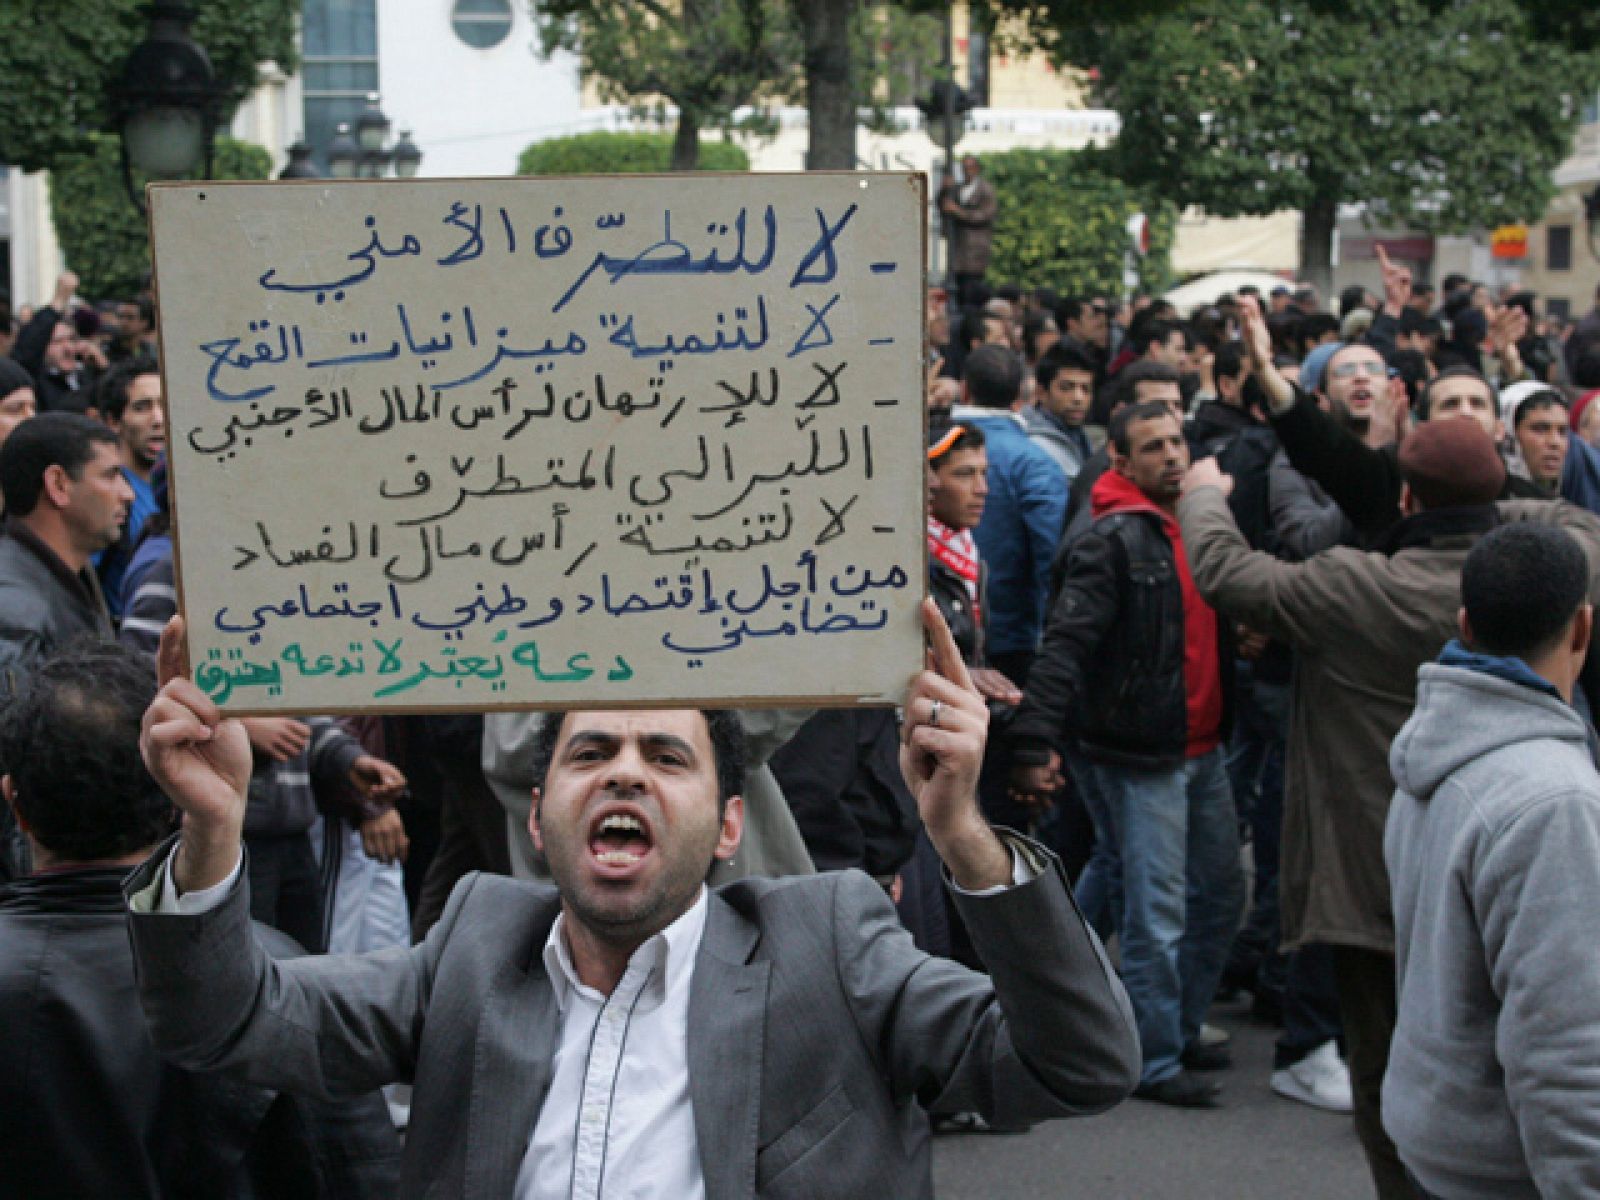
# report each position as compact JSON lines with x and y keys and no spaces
{"x":1362,"y":624}
{"x":772,"y":1038}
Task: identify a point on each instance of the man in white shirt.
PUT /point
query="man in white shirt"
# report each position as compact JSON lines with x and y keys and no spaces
{"x":630,"y":1032}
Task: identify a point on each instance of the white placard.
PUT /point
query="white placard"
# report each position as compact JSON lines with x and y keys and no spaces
{"x":525,"y":443}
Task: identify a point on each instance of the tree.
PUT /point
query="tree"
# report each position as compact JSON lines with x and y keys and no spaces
{"x":1062,"y":221}
{"x":830,"y":82}
{"x":708,"y":57}
{"x":1445,"y":114}
{"x":59,"y":57}
{"x":103,"y":237}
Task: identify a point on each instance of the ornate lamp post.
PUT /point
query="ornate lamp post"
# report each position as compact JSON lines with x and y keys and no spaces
{"x":165,"y":102}
{"x":366,"y":153}
{"x":299,"y":165}
{"x":344,"y":153}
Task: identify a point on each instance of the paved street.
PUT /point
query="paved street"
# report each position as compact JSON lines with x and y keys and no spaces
{"x":1258,"y":1146}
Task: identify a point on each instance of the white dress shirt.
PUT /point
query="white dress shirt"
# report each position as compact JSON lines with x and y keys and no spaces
{"x":617,"y":1122}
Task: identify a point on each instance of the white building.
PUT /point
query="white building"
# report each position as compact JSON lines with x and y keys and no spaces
{"x":463,"y":77}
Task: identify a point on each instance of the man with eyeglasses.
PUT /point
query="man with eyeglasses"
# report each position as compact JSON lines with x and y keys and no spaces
{"x":1352,"y":452}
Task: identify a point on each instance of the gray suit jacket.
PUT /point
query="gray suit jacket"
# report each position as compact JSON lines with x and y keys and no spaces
{"x":818,"y":1033}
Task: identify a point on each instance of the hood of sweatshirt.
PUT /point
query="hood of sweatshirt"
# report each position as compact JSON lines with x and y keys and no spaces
{"x":1115,"y":492}
{"x":1462,"y":714}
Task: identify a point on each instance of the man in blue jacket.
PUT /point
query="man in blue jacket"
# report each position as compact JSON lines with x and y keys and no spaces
{"x":1023,"y":516}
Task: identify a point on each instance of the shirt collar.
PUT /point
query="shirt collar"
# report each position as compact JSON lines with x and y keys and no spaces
{"x":972,"y":412}
{"x":674,"y":948}
{"x":76,"y":580}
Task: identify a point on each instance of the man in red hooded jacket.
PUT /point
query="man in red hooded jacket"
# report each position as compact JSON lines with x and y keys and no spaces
{"x":1133,"y":675}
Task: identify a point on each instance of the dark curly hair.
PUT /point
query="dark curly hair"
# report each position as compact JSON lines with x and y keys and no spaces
{"x":727,"y":748}
{"x":1521,"y":585}
{"x":69,"y":740}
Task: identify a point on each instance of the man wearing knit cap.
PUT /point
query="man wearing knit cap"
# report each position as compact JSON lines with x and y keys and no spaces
{"x":1363,"y":622}
{"x":1548,"y":443}
{"x":1585,"y":417}
{"x":1357,"y":464}
{"x":17,"y":402}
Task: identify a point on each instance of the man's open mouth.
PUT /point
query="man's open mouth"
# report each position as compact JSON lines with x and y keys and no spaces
{"x":620,"y":838}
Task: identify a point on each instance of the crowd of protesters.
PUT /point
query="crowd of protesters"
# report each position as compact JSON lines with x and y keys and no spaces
{"x":1196,"y":564}
{"x":1230,"y":539}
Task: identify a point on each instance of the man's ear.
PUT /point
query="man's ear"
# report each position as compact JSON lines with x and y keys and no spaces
{"x":57,"y":485}
{"x":533,"y":823}
{"x":732,"y":828}
{"x":1582,"y":634}
{"x":1463,"y":626}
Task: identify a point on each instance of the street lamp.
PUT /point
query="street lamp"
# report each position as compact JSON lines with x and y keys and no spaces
{"x":164,"y":102}
{"x":372,"y":132}
{"x":366,"y":153}
{"x":344,"y":153}
{"x":407,"y":158}
{"x":299,"y":165}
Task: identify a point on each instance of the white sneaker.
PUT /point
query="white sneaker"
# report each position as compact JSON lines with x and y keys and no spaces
{"x":1320,"y":1079}
{"x":1210,"y":1035}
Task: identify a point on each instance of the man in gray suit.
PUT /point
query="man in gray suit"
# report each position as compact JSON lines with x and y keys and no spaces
{"x":630,"y":1027}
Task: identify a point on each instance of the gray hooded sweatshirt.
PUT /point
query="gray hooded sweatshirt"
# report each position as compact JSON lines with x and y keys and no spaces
{"x":1493,"y":850}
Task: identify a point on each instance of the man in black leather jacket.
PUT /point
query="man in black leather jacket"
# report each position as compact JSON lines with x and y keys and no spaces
{"x":1134,"y":674}
{"x":88,"y":1107}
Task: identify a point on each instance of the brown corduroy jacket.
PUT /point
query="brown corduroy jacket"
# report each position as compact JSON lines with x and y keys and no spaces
{"x":1362,"y":623}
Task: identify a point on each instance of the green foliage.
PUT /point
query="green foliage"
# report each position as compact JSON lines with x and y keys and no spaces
{"x":1444,"y":114}
{"x":706,"y":57}
{"x":709,"y":57}
{"x":103,"y":237}
{"x":620,"y":154}
{"x":898,"y":53}
{"x":1061,"y":223}
{"x":59,"y":57}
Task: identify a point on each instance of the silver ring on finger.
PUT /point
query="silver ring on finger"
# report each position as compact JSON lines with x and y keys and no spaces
{"x":933,"y":714}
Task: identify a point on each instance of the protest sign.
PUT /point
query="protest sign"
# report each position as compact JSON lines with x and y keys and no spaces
{"x":477,"y":444}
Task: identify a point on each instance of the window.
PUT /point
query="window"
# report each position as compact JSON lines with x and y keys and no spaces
{"x":341,"y":67}
{"x":1558,"y":306}
{"x":1558,"y":248}
{"x":482,"y":23}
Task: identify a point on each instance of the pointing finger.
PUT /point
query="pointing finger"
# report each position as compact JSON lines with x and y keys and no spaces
{"x":946,"y":655}
{"x":172,"y":658}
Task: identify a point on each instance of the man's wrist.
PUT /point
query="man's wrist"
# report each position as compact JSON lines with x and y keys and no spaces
{"x":1280,"y":392}
{"x":204,"y":858}
{"x":973,"y":853}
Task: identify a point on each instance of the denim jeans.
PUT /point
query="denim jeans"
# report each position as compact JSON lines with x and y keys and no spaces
{"x":1176,"y":840}
{"x":1099,"y":888}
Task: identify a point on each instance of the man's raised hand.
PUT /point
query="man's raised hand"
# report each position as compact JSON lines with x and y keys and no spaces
{"x":946,"y":727}
{"x":201,"y":760}
{"x":1396,"y":284}
{"x":1258,"y":347}
{"x":1207,"y":472}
